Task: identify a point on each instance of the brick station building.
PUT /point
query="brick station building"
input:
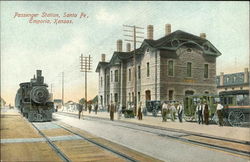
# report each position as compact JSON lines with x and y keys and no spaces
{"x":168,"y":68}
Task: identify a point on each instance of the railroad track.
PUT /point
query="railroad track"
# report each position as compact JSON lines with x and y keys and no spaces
{"x":52,"y":145}
{"x":80,"y":136}
{"x":187,"y":137}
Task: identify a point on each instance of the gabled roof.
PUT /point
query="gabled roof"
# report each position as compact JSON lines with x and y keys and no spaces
{"x":178,"y":38}
{"x":101,"y":64}
{"x":172,"y":42}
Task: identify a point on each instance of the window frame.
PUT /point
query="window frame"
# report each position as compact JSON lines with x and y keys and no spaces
{"x":172,"y":67}
{"x":206,"y":71}
{"x":129,"y":74}
{"x":116,"y":76}
{"x":189,"y":63}
{"x":148,"y":70}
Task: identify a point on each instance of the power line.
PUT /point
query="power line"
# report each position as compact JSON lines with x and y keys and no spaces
{"x":134,"y":36}
{"x":85,"y":67}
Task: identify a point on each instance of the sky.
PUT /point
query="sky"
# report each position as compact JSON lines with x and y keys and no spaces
{"x":55,"y":48}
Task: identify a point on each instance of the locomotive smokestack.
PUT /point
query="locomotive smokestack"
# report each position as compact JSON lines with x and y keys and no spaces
{"x":38,"y":73}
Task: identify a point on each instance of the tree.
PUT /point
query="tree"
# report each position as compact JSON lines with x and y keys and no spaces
{"x":82,"y":101}
{"x":95,"y":100}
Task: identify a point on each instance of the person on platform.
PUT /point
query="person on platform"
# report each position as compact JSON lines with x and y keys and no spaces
{"x":199,"y":110}
{"x":164,"y":111}
{"x":206,"y":113}
{"x":173,"y":111}
{"x":219,"y":113}
{"x":89,"y":107}
{"x":139,"y":116}
{"x":96,"y":108}
{"x":119,"y":113}
{"x":80,"y":108}
{"x":112,"y":111}
{"x":180,"y":111}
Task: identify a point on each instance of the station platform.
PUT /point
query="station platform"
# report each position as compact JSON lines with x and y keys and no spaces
{"x":226,"y":132}
{"x":23,"y":141}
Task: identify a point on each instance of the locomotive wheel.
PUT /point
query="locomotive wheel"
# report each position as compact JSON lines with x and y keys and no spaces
{"x":236,"y":118}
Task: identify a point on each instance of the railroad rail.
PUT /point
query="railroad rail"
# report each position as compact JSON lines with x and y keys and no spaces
{"x":184,"y":137}
{"x":66,"y":159}
{"x":52,"y":145}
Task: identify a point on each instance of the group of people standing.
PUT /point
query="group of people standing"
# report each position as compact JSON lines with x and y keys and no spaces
{"x":169,"y":108}
{"x":202,"y":110}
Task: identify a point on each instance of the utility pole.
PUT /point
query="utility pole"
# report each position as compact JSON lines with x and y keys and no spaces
{"x":85,"y":66}
{"x":63,"y":89}
{"x":134,"y":36}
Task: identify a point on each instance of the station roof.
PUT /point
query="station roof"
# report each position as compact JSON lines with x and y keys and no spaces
{"x":172,"y":42}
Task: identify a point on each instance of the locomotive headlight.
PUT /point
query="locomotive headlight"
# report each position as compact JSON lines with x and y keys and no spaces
{"x":39,"y":94}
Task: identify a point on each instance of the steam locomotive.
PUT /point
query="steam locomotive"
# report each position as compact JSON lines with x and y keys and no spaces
{"x":33,"y":99}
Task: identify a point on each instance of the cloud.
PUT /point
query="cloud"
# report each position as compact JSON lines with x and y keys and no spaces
{"x":104,"y":16}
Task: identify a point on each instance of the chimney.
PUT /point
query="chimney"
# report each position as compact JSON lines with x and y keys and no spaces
{"x":167,"y":29}
{"x":103,"y":57}
{"x":128,"y":47}
{"x":203,"y":35}
{"x":246,"y":75}
{"x":119,"y":45}
{"x":221,"y":79}
{"x":150,"y":32}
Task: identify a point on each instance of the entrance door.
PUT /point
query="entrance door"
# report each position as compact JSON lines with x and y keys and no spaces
{"x":148,"y":95}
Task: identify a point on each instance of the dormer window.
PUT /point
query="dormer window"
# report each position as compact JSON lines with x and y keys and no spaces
{"x":147,"y":49}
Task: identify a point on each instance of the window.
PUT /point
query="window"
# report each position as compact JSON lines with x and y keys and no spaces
{"x":139,"y":96}
{"x":116,"y":75}
{"x":139,"y":72}
{"x":148,"y":69}
{"x":129,"y":97}
{"x":189,"y":69}
{"x":170,"y":94}
{"x":129,"y":74}
{"x":133,"y":97}
{"x":170,"y":68}
{"x":108,"y":81}
{"x":111,"y":75}
{"x":101,"y":81}
{"x":116,"y":97}
{"x":206,"y":71}
{"x":111,"y":97}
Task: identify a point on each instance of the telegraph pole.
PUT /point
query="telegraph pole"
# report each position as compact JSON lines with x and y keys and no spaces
{"x":85,"y":66}
{"x":134,"y":36}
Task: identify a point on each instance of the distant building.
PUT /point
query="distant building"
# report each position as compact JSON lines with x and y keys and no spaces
{"x":169,"y":68}
{"x":235,"y":83}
